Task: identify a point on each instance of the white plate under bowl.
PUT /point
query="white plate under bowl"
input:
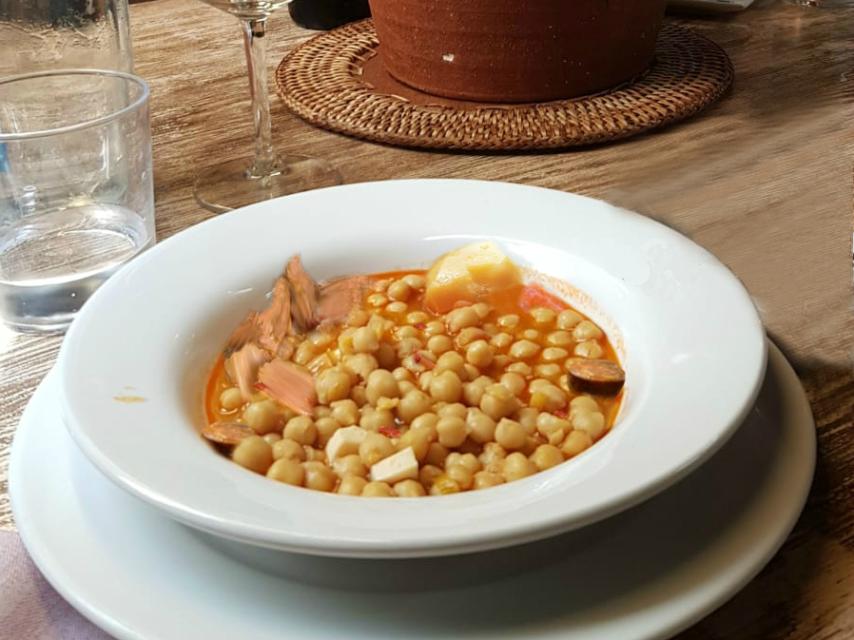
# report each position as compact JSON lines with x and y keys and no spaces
{"x":689,"y":337}
{"x":645,"y":573}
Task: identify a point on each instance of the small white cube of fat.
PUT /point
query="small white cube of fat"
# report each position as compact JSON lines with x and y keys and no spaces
{"x":344,"y":442}
{"x":400,"y":466}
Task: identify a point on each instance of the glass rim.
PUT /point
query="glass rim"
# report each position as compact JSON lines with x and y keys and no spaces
{"x":140,"y":100}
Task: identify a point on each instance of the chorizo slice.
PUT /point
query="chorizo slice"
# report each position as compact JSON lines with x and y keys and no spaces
{"x":599,"y":377}
{"x":226,"y":432}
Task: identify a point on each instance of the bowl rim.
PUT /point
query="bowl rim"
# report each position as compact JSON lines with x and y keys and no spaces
{"x":453,"y":542}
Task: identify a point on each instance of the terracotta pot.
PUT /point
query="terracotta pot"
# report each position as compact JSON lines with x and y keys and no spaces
{"x":516,"y":50}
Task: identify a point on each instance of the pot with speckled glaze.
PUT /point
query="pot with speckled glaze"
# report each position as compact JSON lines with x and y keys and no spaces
{"x":516,"y":50}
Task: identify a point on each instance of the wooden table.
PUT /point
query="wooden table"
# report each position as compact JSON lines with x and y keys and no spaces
{"x":763,"y":180}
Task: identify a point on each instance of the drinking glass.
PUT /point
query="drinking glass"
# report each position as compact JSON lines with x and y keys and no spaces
{"x":40,"y":35}
{"x":76,"y":191}
{"x":267,"y":175}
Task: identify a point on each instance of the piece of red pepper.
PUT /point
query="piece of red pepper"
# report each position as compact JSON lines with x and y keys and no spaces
{"x":560,"y":413}
{"x":389,"y":432}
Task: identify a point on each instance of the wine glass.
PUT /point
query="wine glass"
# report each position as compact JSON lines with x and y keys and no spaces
{"x":267,"y":175}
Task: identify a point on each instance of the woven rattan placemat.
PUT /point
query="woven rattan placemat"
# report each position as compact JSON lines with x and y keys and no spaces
{"x":337,"y":81}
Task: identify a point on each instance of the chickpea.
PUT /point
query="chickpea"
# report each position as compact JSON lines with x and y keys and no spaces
{"x":479,"y":353}
{"x":588,"y":349}
{"x":407,"y":332}
{"x":446,"y":387}
{"x":254,"y":454}
{"x":415,"y":281}
{"x":543,"y":316}
{"x":480,"y":426}
{"x":517,"y":466}
{"x":287,"y":470}
{"x":428,"y":474}
{"x":497,"y":402}
{"x":262,"y":417}
{"x":593,"y":423}
{"x":531,"y":444}
{"x":287,"y":448}
{"x":469,"y":335}
{"x":377,"y":490}
{"x":508,"y":321}
{"x":527,"y":417}
{"x":492,"y":453}
{"x":396,"y":308}
{"x":440,"y":344}
{"x":471,"y":372}
{"x":583,"y":403}
{"x":332,"y":385}
{"x":549,"y":371}
{"x":301,"y":429}
{"x":482,"y":309}
{"x":451,"y":431}
{"x":424,"y":381}
{"x":491,"y":329}
{"x":436,"y":454}
{"x":352,"y":485}
{"x":399,"y":290}
{"x":357,"y":317}
{"x":461,"y":318}
{"x":387,"y":356}
{"x":365,"y":340}
{"x":450,"y":361}
{"x":443,"y":485}
{"x":553,"y":354}
{"x":381,"y":384}
{"x":425,"y":421}
{"x":473,"y":391}
{"x":351,"y":465}
{"x":314,"y":455}
{"x":409,"y":489}
{"x":586,"y":330}
{"x":452,"y":409}
{"x":377,"y":300}
{"x":552,"y":428}
{"x":434,"y":328}
{"x":413,"y":404}
{"x":514,"y":382}
{"x":510,"y":434}
{"x":419,"y":440}
{"x":360,"y":364}
{"x":417,"y":317}
{"x":372,"y":419}
{"x":454,"y":457}
{"x":546,"y":456}
{"x":521,"y":368}
{"x":374,"y":448}
{"x":485,"y":479}
{"x":524,"y":349}
{"x":501,"y":361}
{"x":272,"y":438}
{"x":304,"y":353}
{"x":320,"y":411}
{"x":501,"y":340}
{"x":575,"y":443}
{"x":470,"y":462}
{"x":461,"y":475}
{"x":231,"y":399}
{"x":407,"y":347}
{"x":325,"y":428}
{"x":568,"y":319}
{"x":559,"y":339}
{"x":548,"y":398}
{"x":359,"y":395}
{"x":345,"y":412}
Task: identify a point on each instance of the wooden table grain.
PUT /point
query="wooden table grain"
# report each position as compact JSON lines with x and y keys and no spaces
{"x":763,"y":180}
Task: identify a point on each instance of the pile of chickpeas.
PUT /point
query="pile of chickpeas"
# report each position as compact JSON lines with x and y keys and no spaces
{"x":480,"y":394}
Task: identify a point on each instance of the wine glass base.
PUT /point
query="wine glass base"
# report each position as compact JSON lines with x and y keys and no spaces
{"x":230,"y":185}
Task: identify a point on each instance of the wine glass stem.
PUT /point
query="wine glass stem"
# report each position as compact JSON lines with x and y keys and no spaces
{"x":255,"y":41}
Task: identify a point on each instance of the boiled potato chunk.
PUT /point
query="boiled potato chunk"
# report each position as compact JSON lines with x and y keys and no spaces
{"x":465,"y":273}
